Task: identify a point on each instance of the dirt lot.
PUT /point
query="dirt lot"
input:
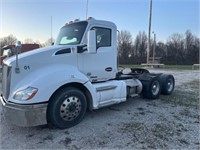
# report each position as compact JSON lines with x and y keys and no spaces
{"x":166,"y":123}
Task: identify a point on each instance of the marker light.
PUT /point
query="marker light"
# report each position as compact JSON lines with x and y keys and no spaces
{"x":76,"y":20}
{"x":89,"y":18}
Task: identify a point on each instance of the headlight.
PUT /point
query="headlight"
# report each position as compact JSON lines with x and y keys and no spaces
{"x":25,"y":94}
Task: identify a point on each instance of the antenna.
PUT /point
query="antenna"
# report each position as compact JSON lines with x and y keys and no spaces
{"x":87,"y":9}
{"x":51,"y":31}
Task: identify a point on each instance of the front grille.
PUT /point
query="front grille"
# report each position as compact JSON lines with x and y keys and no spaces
{"x":6,"y":76}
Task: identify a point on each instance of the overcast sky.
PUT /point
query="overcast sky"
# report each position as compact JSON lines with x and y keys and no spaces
{"x":32,"y":18}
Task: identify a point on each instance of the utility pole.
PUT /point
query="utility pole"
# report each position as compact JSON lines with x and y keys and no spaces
{"x":154,"y":46}
{"x":149,"y":35}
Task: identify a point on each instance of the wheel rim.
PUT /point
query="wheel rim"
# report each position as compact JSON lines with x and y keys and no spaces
{"x":70,"y":108}
{"x":155,"y":88}
{"x":170,"y":85}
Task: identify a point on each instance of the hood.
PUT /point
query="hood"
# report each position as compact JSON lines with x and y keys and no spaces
{"x":39,"y":51}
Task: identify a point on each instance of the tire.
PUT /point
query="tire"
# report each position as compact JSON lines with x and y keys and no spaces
{"x":168,"y":84}
{"x":66,"y":108}
{"x":151,"y":88}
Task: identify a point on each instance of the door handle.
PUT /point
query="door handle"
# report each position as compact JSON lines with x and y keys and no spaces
{"x":108,"y":69}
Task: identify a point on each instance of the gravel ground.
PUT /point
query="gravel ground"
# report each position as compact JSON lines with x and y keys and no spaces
{"x":171,"y":122}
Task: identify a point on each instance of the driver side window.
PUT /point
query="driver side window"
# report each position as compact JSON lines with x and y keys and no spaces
{"x":103,"y":37}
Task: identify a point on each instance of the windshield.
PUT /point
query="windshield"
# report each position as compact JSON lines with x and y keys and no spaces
{"x":71,"y":34}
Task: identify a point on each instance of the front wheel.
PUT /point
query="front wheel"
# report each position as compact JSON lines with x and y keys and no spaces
{"x":66,"y":108}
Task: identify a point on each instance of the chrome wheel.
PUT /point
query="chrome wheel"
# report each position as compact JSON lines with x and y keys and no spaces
{"x":66,"y":108}
{"x":155,"y":88}
{"x":170,"y":85}
{"x":70,"y":108}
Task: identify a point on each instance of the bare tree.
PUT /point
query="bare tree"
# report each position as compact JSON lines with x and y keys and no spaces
{"x":175,"y":49}
{"x":196,"y":48}
{"x":191,"y":44}
{"x":49,"y":42}
{"x":189,"y":39}
{"x":124,"y":36}
{"x":8,"y":40}
{"x":38,"y":42}
{"x":160,"y":49}
{"x":140,"y":44}
{"x":29,"y":41}
{"x":179,"y":49}
{"x":124,"y":46}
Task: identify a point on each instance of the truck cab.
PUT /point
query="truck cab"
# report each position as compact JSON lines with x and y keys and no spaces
{"x":57,"y":84}
{"x":89,"y":59}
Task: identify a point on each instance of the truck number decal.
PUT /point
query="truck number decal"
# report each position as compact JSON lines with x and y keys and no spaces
{"x":26,"y":67}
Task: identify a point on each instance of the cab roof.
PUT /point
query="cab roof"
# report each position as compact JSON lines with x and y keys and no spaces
{"x":91,"y":20}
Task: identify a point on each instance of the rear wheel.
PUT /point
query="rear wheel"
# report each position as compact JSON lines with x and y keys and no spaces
{"x":168,"y":83}
{"x":151,"y":88}
{"x":66,"y":108}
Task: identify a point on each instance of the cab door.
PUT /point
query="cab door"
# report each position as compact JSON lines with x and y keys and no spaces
{"x":100,"y":66}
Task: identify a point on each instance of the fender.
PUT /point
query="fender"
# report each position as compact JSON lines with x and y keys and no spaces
{"x":48,"y":80}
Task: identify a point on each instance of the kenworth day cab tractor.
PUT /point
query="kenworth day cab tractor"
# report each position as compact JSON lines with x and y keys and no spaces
{"x":56,"y":85}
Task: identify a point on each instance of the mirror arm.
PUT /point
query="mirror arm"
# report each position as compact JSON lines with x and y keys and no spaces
{"x":17,"y":49}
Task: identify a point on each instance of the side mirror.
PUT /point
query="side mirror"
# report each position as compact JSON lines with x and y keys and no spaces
{"x":18,"y":44}
{"x":91,"y":42}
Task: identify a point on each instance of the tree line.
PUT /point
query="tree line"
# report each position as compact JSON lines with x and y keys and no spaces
{"x":180,"y":49}
{"x":11,"y":40}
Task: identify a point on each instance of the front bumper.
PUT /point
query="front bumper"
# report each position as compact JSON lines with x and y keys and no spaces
{"x":24,"y":115}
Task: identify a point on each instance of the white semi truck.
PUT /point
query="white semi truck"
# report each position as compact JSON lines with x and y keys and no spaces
{"x":56,"y":85}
